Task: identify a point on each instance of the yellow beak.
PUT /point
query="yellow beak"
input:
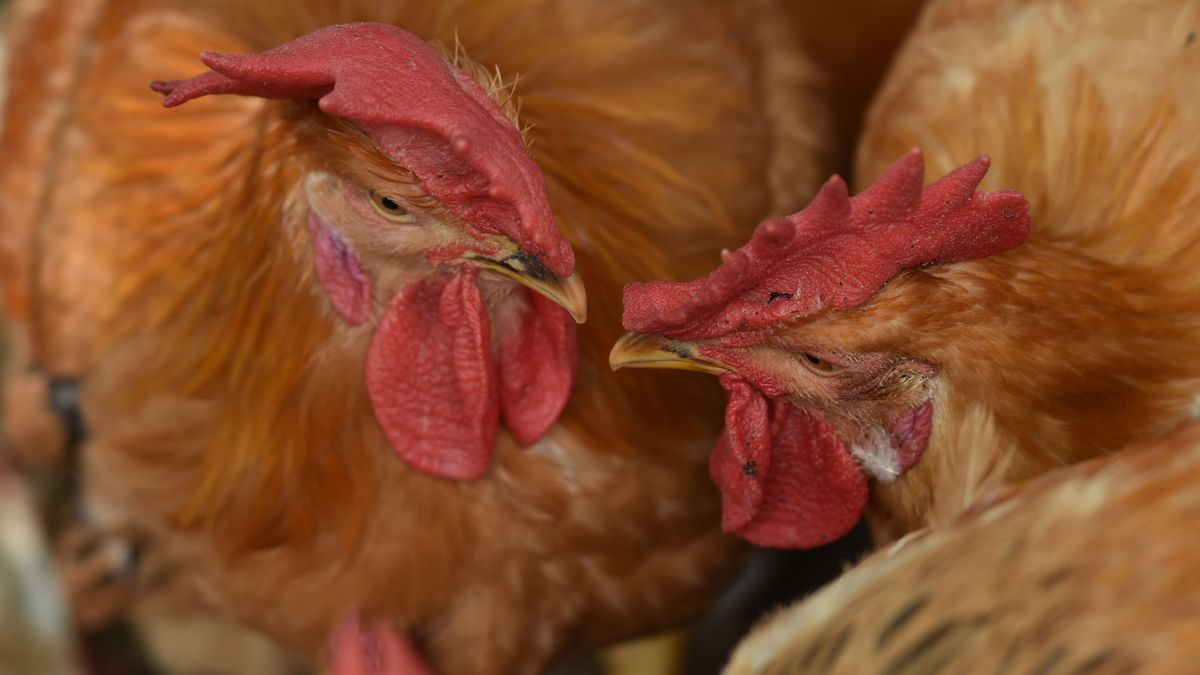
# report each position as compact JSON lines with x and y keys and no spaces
{"x":643,"y":350}
{"x":528,"y":271}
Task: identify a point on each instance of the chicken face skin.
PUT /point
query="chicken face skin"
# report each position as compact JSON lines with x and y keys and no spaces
{"x":867,"y":397}
{"x":394,"y":233}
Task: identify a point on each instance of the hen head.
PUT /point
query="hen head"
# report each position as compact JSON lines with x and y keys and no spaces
{"x":815,"y":403}
{"x":434,"y":231}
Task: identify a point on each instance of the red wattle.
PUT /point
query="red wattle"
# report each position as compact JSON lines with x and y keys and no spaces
{"x":743,"y":453}
{"x":537,"y":369}
{"x":432,"y":380}
{"x":804,"y":489}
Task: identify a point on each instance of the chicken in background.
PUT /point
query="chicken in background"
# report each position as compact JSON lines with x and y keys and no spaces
{"x":1091,"y":568}
{"x":35,"y":626}
{"x":1075,"y":344}
{"x":218,"y":277}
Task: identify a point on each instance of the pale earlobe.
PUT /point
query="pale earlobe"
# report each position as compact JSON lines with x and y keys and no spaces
{"x":341,"y":273}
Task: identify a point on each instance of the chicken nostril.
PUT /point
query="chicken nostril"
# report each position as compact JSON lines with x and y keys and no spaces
{"x":677,"y":350}
{"x":527,"y":264}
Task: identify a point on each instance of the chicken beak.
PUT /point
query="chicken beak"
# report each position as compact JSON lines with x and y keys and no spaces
{"x":527,"y":270}
{"x":643,"y":350}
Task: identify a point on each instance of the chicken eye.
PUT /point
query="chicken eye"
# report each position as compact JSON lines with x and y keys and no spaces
{"x":820,"y":365}
{"x":390,"y":208}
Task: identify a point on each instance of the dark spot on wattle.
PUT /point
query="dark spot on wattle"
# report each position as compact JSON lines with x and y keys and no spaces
{"x":750,"y":468}
{"x":777,"y":295}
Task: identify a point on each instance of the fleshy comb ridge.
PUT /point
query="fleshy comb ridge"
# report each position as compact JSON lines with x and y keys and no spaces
{"x":837,"y":252}
{"x":420,"y":111}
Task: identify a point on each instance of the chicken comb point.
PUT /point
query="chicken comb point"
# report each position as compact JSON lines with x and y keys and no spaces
{"x":421,"y":112}
{"x":832,"y":201}
{"x":837,"y":252}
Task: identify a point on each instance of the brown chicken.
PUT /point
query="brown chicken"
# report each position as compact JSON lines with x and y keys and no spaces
{"x":221,"y":275}
{"x":1092,"y":568}
{"x":1075,"y":344}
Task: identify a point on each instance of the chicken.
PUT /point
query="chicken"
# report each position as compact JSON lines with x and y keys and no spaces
{"x":873,"y":346}
{"x":221,"y":275}
{"x":35,"y":628}
{"x":1088,"y":569}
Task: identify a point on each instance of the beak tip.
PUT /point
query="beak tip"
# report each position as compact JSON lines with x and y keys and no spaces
{"x":571,"y":294}
{"x":614,"y":361}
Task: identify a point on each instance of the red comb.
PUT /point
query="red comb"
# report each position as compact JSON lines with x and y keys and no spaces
{"x":836,"y":253}
{"x":422,"y":113}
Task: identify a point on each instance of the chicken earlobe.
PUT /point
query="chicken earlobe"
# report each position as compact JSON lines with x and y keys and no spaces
{"x":341,"y":274}
{"x":786,"y":479}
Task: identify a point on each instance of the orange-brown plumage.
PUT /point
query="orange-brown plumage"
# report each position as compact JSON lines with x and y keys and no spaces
{"x":228,"y":421}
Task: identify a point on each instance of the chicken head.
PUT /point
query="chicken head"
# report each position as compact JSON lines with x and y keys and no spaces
{"x":813,"y":410}
{"x":431,"y":226}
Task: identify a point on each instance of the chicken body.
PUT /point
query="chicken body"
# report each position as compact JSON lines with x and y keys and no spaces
{"x":1084,"y":339}
{"x":161,"y":257}
{"x":1075,"y":343}
{"x":1091,"y":568}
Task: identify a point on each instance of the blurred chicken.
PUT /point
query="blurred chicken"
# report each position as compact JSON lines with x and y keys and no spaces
{"x":870,"y":354}
{"x":219,"y":276}
{"x":35,"y":628}
{"x":1091,"y":569}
